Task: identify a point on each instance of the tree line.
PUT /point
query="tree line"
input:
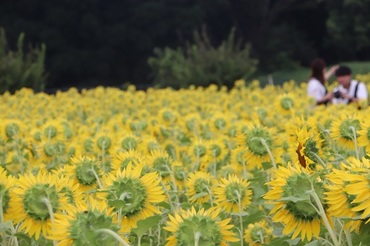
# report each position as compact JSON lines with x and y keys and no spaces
{"x":91,"y":42}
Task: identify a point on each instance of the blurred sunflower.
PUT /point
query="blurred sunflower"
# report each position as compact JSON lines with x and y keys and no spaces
{"x":199,"y":187}
{"x":7,"y":182}
{"x":123,"y":158}
{"x":35,"y":201}
{"x":345,"y":129}
{"x":127,"y":143}
{"x":84,"y":171}
{"x":258,"y":142}
{"x":161,"y":162}
{"x":203,"y":227}
{"x":233,"y":194}
{"x":299,"y":215}
{"x":94,"y":226}
{"x":257,"y":234}
{"x":364,"y":135}
{"x":133,"y":195}
{"x":307,"y":149}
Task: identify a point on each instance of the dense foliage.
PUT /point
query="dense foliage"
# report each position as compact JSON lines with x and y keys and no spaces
{"x":94,"y":41}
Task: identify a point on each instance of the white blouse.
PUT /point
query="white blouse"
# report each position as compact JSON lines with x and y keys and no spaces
{"x":315,"y":89}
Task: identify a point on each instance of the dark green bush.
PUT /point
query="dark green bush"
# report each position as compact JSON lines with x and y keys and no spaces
{"x":19,"y":69}
{"x":202,"y":64}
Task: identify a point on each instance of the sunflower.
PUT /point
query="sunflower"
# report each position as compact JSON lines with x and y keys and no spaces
{"x":233,"y":194}
{"x":258,"y":142}
{"x":299,"y":215}
{"x":127,"y":143}
{"x":7,"y":182}
{"x":94,"y":226}
{"x":345,"y":129}
{"x":52,"y":129}
{"x":199,"y":186}
{"x":257,"y":234}
{"x":285,"y":103}
{"x":307,"y":149}
{"x":364,"y":135}
{"x":123,"y":158}
{"x":340,"y":202}
{"x":160,"y":161}
{"x":203,"y":227}
{"x":132,"y":195}
{"x":198,"y":151}
{"x":12,"y":129}
{"x":84,"y":171}
{"x":359,"y":187}
{"x":34,"y":202}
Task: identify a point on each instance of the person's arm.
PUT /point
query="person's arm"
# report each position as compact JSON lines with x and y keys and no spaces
{"x":325,"y":99}
{"x":330,"y":72}
{"x":361,"y":93}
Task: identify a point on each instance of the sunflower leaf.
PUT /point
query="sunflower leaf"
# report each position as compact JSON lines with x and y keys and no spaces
{"x":199,"y":195}
{"x":5,"y":226}
{"x":295,"y":199}
{"x":144,"y":225}
{"x":242,"y":214}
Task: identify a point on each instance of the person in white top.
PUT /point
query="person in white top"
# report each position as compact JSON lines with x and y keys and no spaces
{"x":316,"y":84}
{"x":349,"y":90}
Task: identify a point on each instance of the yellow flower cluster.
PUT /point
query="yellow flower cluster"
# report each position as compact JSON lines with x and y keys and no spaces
{"x":238,"y":162}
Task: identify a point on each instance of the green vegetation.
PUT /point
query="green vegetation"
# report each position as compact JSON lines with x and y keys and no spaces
{"x":202,"y":64}
{"x":19,"y":69}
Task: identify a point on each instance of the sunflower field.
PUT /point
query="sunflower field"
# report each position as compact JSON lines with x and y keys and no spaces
{"x":200,"y":166}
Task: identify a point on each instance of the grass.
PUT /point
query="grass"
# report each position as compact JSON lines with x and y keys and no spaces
{"x":302,"y":74}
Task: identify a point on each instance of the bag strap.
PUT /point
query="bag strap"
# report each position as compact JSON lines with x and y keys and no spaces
{"x":356,"y":89}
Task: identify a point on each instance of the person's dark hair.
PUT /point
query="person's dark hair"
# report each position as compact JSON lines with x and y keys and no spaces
{"x":342,"y":71}
{"x":317,"y":69}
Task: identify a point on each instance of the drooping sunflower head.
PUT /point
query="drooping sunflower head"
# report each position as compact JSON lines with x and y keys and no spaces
{"x":103,"y":142}
{"x":123,"y":158}
{"x":258,"y":234}
{"x":34,"y":201}
{"x":133,"y":195}
{"x":127,"y":143}
{"x":345,"y":129}
{"x":285,"y":103}
{"x":290,"y":192}
{"x":12,"y":129}
{"x":52,"y":129}
{"x":364,"y":135}
{"x":160,"y":161}
{"x":233,"y":194}
{"x":7,"y":182}
{"x":84,"y":171}
{"x":257,"y":141}
{"x":199,"y":187}
{"x":85,"y":227}
{"x":203,"y":227}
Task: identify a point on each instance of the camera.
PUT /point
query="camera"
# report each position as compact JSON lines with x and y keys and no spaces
{"x":337,"y":94}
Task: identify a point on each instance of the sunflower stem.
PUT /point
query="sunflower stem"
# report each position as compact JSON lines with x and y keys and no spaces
{"x":113,"y":234}
{"x":264,"y":143}
{"x":323,"y":215}
{"x":210,"y":193}
{"x":47,"y":202}
{"x":197,"y":236}
{"x":173,"y":180}
{"x":169,"y":197}
{"x":240,"y":217}
{"x":260,"y":234}
{"x":1,"y":209}
{"x":96,"y":177}
{"x":355,"y":140}
{"x":319,"y":159}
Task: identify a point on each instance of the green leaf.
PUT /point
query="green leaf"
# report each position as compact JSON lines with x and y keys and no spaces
{"x":144,"y":225}
{"x":242,"y":214}
{"x":295,"y":199}
{"x":255,"y":217}
{"x":199,"y":195}
{"x":23,"y":239}
{"x":266,"y":165}
{"x":5,"y":226}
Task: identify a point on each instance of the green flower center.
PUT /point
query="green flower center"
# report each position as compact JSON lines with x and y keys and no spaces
{"x":346,"y":128}
{"x":11,"y":130}
{"x":311,"y":149}
{"x":89,"y":145}
{"x":84,"y":172}
{"x":200,"y":185}
{"x":254,"y":142}
{"x":129,"y":143}
{"x":301,"y":204}
{"x":215,"y":150}
{"x":220,"y":123}
{"x":171,"y":150}
{"x":206,"y":228}
{"x":50,"y":131}
{"x":83,"y":229}
{"x":4,"y":197}
{"x":286,"y":103}
{"x":162,"y":166}
{"x":127,"y":195}
{"x":168,"y":116}
{"x":232,"y":190}
{"x":104,"y":142}
{"x":199,"y":150}
{"x":33,"y":201}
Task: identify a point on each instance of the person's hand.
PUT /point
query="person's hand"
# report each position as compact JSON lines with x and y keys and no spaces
{"x":331,"y":71}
